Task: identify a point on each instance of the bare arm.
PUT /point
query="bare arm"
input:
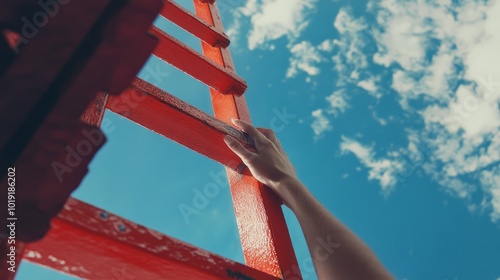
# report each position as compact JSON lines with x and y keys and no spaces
{"x":336,"y":252}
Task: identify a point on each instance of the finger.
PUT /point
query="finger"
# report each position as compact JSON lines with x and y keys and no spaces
{"x":238,"y":149}
{"x":271,"y":135}
{"x":256,"y":135}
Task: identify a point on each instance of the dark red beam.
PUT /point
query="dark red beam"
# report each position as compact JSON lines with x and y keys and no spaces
{"x":188,"y":60}
{"x":43,"y":137}
{"x":91,"y":243}
{"x":171,"y":117}
{"x":191,"y":23}
{"x":52,"y":147}
{"x":24,"y":84}
{"x":99,"y":35}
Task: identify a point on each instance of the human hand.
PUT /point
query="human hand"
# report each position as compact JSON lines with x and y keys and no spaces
{"x":269,"y":164}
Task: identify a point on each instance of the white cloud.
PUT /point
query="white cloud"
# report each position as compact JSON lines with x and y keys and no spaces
{"x":349,"y":58}
{"x":491,"y":182}
{"x":409,"y":31}
{"x":397,"y":41}
{"x":385,"y":170}
{"x":370,"y":85}
{"x":326,"y":46}
{"x":338,"y":103}
{"x":460,"y":111}
{"x":380,"y":120}
{"x":304,"y":58}
{"x":320,"y":123}
{"x":347,"y":24}
{"x":443,"y":59}
{"x":273,"y":19}
{"x":439,"y":74}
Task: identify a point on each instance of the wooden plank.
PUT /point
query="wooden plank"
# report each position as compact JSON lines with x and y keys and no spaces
{"x":54,"y":147}
{"x":24,"y":106}
{"x":171,"y":117}
{"x":264,"y":235}
{"x":94,"y":113}
{"x":6,"y":53}
{"x":191,"y":23}
{"x":5,"y":273}
{"x":91,"y":243}
{"x":18,"y":98}
{"x":188,"y":60}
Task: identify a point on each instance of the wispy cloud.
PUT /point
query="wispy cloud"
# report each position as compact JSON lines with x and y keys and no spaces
{"x":320,"y":123}
{"x":274,"y":19}
{"x":438,"y":58}
{"x":305,"y":57}
{"x":348,"y":59}
{"x":441,"y":59}
{"x":338,"y":103}
{"x":370,"y":85}
{"x":382,"y":169}
{"x":446,"y":56}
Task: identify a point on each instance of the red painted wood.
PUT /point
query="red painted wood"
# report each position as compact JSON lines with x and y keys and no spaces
{"x":45,"y":133}
{"x":105,"y":30}
{"x":94,"y":113}
{"x":12,"y":12}
{"x":201,"y":29}
{"x":6,"y":53}
{"x":55,"y":120}
{"x":12,"y":38}
{"x":125,"y":246}
{"x":54,"y":147}
{"x":264,"y":235}
{"x":128,"y":43}
{"x":188,"y":60}
{"x":171,"y":117}
{"x":6,"y":274}
{"x":92,"y":243}
{"x":51,"y":167}
{"x":19,"y":97}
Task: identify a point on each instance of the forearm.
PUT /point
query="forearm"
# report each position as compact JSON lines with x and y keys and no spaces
{"x":337,"y":252}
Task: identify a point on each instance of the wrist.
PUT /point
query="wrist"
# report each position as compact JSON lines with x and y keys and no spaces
{"x":289,"y":189}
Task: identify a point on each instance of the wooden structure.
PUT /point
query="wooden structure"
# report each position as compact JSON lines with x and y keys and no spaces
{"x":50,"y":132}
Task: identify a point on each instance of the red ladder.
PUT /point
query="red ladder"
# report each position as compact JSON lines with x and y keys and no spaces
{"x":92,"y":243}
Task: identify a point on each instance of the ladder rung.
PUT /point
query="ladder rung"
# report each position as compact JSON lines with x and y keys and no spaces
{"x":91,"y":243}
{"x":49,"y":177}
{"x":188,"y":60}
{"x":83,"y":63}
{"x":193,"y":24}
{"x":173,"y":118}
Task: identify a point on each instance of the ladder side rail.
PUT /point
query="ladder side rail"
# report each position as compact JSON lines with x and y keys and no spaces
{"x":264,"y":235}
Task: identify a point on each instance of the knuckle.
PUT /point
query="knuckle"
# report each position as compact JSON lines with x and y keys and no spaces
{"x":250,"y":157}
{"x":264,"y":143}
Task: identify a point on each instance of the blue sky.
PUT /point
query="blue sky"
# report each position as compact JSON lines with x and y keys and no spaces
{"x":393,"y":124}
